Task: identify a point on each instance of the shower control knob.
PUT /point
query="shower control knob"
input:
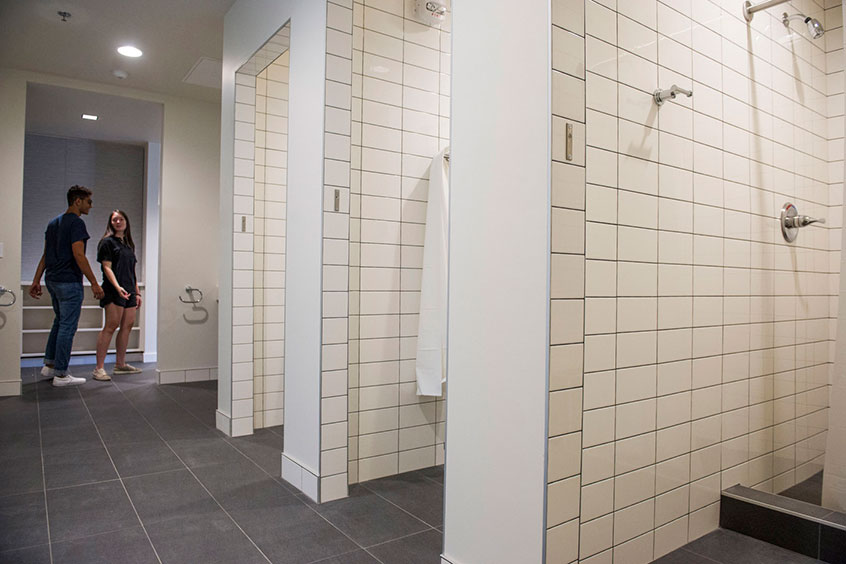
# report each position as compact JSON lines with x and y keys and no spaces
{"x":791,"y":221}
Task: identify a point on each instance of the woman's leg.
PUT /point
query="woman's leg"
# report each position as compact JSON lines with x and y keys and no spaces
{"x":113,"y":316}
{"x":122,"y":341}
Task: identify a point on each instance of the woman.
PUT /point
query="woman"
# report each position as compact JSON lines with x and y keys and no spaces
{"x":116,"y":255}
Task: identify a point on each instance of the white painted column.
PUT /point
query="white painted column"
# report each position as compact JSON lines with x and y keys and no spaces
{"x":13,"y":118}
{"x":498,"y":286}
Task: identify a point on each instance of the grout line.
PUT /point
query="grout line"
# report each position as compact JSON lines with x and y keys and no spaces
{"x":43,"y":472}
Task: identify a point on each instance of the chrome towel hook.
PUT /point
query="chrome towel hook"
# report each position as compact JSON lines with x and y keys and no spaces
{"x":3,"y":292}
{"x":191,"y":299}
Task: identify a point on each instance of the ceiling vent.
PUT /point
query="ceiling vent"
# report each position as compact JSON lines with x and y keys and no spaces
{"x":205,"y":72}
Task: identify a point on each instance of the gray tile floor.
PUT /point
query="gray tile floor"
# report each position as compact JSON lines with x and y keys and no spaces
{"x":727,"y":547}
{"x":128,"y":471}
{"x":809,"y":490}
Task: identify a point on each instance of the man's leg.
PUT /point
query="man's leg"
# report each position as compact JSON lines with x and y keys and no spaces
{"x":70,"y":305}
{"x":50,"y":351}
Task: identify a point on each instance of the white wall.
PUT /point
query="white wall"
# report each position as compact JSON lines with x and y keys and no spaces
{"x":189,"y":168}
{"x":188,"y":230}
{"x":13,"y":118}
{"x":248,"y":25}
{"x":499,"y":232}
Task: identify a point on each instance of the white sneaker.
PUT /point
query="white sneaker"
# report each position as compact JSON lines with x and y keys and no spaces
{"x":101,"y":375}
{"x":67,"y":380}
{"x":47,"y":371}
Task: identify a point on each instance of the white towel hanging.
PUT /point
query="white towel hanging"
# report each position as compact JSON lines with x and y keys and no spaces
{"x":431,"y":334}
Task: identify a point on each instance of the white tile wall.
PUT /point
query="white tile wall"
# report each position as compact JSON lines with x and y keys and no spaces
{"x":707,"y":340}
{"x":268,"y":240}
{"x":400,"y":120}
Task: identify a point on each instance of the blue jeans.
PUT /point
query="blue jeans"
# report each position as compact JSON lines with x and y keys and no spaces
{"x":67,"y":305}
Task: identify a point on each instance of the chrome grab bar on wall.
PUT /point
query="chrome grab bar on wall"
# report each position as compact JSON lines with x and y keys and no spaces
{"x":191,"y":300}
{"x":3,"y":292}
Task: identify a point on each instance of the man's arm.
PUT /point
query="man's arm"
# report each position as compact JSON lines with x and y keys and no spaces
{"x":78,"y":249}
{"x":35,"y":290}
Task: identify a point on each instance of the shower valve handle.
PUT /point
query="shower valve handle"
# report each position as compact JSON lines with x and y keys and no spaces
{"x":803,"y":220}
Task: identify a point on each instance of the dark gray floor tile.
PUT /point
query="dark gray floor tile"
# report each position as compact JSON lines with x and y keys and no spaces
{"x":422,"y":548}
{"x":132,"y":429}
{"x":64,"y":416}
{"x":809,"y":491}
{"x":241,"y":485}
{"x":31,"y":555}
{"x":264,"y":447}
{"x":434,"y":473}
{"x":169,"y":495}
{"x":70,"y":438}
{"x":19,"y":443}
{"x":127,"y":546}
{"x":357,"y":557}
{"x":23,"y":520}
{"x":414,"y":493}
{"x":204,"y":451}
{"x":78,"y":467}
{"x":183,"y":428}
{"x":368,"y":519}
{"x":20,"y":475}
{"x":729,"y":547}
{"x":210,"y":539}
{"x":288,"y":532}
{"x":87,"y":510}
{"x":147,"y":457}
{"x":682,"y":556}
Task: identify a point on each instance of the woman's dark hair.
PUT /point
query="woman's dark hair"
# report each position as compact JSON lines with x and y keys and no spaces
{"x":76,"y":192}
{"x":127,"y":235}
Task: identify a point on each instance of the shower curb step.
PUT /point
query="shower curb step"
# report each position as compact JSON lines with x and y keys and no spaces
{"x":789,"y":523}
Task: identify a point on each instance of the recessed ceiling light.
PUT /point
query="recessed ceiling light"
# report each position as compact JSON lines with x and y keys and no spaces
{"x":89,"y":116}
{"x":129,"y":51}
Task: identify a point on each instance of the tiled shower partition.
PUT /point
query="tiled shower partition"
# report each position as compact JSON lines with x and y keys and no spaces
{"x":707,"y":338}
{"x":400,"y":116}
{"x":258,"y":225}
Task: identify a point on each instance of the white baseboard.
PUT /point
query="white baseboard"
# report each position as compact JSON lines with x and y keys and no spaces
{"x":151,"y":356}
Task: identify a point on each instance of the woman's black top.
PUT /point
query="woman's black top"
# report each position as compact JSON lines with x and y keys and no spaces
{"x":122,"y":257}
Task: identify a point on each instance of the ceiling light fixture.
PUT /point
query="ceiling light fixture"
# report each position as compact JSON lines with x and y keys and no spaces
{"x":129,"y":51}
{"x":92,"y":117}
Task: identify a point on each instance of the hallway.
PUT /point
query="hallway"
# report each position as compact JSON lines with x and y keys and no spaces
{"x":136,"y":472}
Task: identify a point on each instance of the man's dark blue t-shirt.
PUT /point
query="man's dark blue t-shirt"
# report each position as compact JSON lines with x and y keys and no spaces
{"x":61,"y":234}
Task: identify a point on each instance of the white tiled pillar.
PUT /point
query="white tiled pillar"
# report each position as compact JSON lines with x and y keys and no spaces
{"x":567,"y":290}
{"x":336,"y":219}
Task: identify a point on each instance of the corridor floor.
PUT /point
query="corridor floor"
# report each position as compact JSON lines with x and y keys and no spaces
{"x":128,"y":471}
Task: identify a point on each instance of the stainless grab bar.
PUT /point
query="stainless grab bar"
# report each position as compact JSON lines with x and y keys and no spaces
{"x":190,"y":291}
{"x":4,"y":291}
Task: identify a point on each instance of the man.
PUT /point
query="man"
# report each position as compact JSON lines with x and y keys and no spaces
{"x":65,"y":263}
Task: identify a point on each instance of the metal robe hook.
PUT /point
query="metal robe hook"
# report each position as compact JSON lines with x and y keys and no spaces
{"x":661,"y":96}
{"x":190,"y":291}
{"x":3,"y":292}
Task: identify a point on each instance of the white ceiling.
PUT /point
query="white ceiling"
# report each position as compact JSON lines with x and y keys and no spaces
{"x":57,"y":111}
{"x":173,"y":34}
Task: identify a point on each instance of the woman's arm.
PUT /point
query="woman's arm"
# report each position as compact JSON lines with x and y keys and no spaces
{"x":110,"y":276}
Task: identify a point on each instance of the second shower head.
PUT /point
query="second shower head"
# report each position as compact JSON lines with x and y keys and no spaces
{"x":815,"y":28}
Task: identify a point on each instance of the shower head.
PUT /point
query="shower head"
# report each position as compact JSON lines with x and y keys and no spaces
{"x":815,"y":28}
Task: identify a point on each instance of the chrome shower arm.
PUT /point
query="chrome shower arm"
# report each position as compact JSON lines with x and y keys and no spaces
{"x":749,"y":10}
